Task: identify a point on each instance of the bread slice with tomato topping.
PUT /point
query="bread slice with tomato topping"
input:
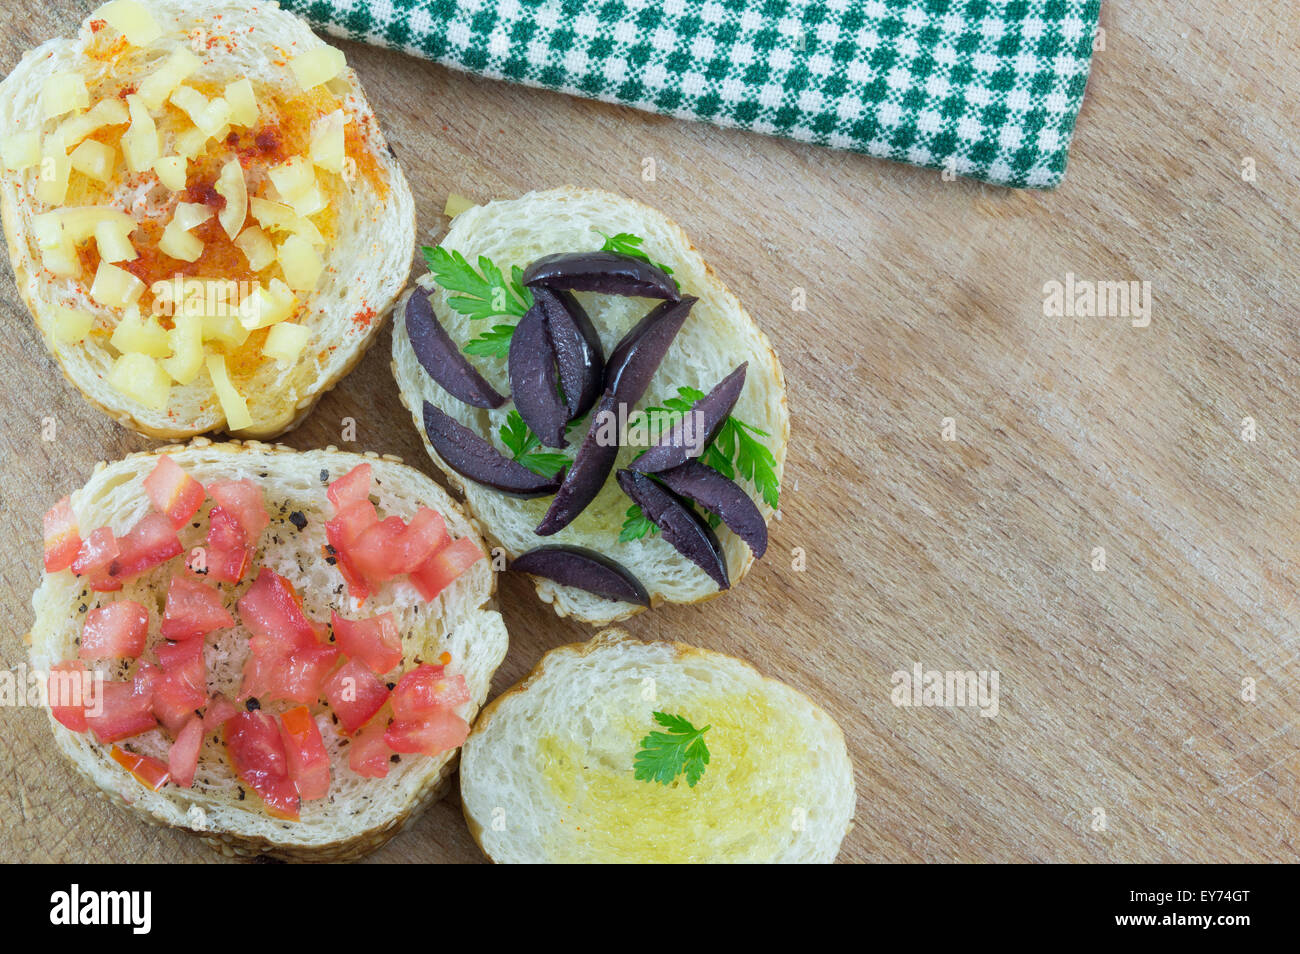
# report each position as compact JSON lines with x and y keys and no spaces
{"x":618,"y":750}
{"x":202,"y":214}
{"x":280,"y":651}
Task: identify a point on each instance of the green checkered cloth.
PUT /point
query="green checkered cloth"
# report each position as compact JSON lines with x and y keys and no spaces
{"x":982,"y":88}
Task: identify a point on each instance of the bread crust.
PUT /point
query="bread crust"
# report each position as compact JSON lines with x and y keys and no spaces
{"x":169,"y":806}
{"x":345,"y":350}
{"x":768,"y":369}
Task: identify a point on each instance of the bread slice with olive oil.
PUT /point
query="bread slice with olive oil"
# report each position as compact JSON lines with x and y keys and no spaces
{"x":549,"y":773}
{"x":344,"y":260}
{"x":718,"y":335}
{"x":359,"y":814}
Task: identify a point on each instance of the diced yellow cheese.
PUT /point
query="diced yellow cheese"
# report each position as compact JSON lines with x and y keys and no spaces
{"x":186,"y":342}
{"x":107,"y":112}
{"x":115,"y":287}
{"x":190,"y":142}
{"x":52,"y":180}
{"x":131,"y":20}
{"x":158,"y":85}
{"x":292,"y":177}
{"x":317,"y":66}
{"x":267,"y":306}
{"x":140,"y":141}
{"x":191,"y":102}
{"x":48,"y":229}
{"x":172,"y":171}
{"x":140,"y":378}
{"x":230,"y":186}
{"x":136,"y":334}
{"x":300,"y":263}
{"x":71,"y":324}
{"x":232,"y":402}
{"x":20,"y":150}
{"x":456,"y":204}
{"x":278,"y":217}
{"x":215,"y":118}
{"x":190,"y":214}
{"x":327,"y":140}
{"x":94,"y":159}
{"x":225,"y":329}
{"x":62,"y":93}
{"x":61,"y":261}
{"x":285,"y":342}
{"x":243,"y":103}
{"x":180,"y":244}
{"x":257,"y":248}
{"x":79,"y":223}
{"x":113,"y":242}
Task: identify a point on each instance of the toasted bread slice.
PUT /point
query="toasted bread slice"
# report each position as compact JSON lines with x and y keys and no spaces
{"x":363,"y":235}
{"x":359,"y":814}
{"x":717,"y":336}
{"x":548,"y":773}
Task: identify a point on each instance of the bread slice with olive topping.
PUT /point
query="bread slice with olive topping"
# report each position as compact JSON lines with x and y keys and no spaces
{"x":359,"y":813}
{"x":716,"y":338}
{"x":561,"y":768}
{"x":215,"y":149}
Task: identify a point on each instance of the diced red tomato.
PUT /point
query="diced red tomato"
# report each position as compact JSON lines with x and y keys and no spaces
{"x":350,"y":488}
{"x":438,"y":572}
{"x":243,"y":500}
{"x":150,"y":543}
{"x":68,"y":690}
{"x":115,"y":631}
{"x":220,"y":710}
{"x":261,"y":675}
{"x":148,"y":770}
{"x":125,"y":711}
{"x":62,"y":540}
{"x":97,"y":553}
{"x":183,"y":757}
{"x":295,"y":677}
{"x":375,"y":641}
{"x":182,"y":687}
{"x":173,"y":492}
{"x":374,"y":551}
{"x":425,"y":535}
{"x":426,"y":688}
{"x":358,"y":587}
{"x":270,"y":609}
{"x":193,"y":609}
{"x":228,"y":552}
{"x":253,"y":741}
{"x":355,"y":694}
{"x":437,"y":732}
{"x":304,"y":749}
{"x":369,"y":754}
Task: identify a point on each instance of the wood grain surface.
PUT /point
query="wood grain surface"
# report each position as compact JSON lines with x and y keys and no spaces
{"x":1122,"y":732}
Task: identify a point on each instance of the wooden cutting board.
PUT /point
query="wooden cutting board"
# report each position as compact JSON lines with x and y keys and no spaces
{"x":1122,"y":732}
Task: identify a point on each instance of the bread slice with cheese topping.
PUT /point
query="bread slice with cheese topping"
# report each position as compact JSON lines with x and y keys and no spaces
{"x":202,"y":214}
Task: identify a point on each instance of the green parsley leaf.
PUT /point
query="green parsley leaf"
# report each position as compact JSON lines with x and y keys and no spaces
{"x":523,"y":443}
{"x":625,"y":243}
{"x":665,"y":755}
{"x":636,"y":526}
{"x":492,"y":344}
{"x":736,"y":449}
{"x":485,"y":292}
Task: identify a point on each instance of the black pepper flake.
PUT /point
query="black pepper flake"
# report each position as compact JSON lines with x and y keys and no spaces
{"x":392,"y":686}
{"x":331,"y":560}
{"x":298,"y":519}
{"x":324,"y":476}
{"x":395,"y":759}
{"x":252,"y":704}
{"x":241,"y":794}
{"x":82,"y":608}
